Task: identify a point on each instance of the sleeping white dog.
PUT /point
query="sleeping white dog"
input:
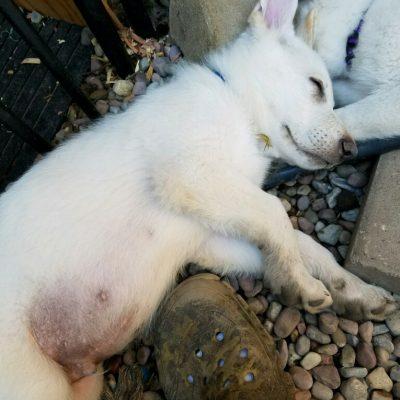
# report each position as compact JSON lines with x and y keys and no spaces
{"x":359,"y":41}
{"x":92,"y":237}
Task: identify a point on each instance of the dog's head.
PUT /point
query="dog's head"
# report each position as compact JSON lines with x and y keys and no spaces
{"x":289,"y":93}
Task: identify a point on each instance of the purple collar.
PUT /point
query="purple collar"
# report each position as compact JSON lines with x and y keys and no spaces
{"x":352,"y":40}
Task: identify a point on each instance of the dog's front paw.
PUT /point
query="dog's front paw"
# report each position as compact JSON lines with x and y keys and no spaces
{"x":360,"y":301}
{"x":308,"y":292}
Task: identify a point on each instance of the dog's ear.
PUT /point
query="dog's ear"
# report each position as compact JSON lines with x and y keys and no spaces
{"x":275,"y":14}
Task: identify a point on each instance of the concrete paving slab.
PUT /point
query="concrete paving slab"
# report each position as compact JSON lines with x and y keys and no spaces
{"x":374,"y":254}
{"x":199,"y":26}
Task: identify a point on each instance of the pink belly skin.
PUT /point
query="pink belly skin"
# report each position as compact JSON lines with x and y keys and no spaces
{"x":79,"y":332}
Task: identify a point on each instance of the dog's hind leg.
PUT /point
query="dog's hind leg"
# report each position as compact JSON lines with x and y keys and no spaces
{"x":351,"y":296}
{"x":25,"y":373}
{"x":375,"y":116}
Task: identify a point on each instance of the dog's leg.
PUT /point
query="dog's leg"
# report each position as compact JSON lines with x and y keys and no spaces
{"x":232,"y":205}
{"x":88,"y":388}
{"x":351,"y":296}
{"x":375,"y":116}
{"x":227,"y":255}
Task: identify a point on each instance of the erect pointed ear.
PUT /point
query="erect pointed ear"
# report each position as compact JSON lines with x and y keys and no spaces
{"x":309,"y":28}
{"x":276,"y":14}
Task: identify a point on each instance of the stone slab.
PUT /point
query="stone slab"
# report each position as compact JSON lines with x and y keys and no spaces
{"x":199,"y":26}
{"x":374,"y":254}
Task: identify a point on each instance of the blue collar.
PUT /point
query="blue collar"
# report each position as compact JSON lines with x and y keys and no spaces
{"x":352,"y":40}
{"x":217,"y":73}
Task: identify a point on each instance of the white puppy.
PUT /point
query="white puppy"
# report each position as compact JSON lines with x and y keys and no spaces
{"x":367,"y":86}
{"x":92,"y":237}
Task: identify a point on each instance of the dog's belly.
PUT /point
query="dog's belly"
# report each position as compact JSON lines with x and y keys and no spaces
{"x":79,"y":329}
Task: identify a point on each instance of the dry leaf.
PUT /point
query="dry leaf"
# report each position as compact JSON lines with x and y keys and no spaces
{"x":31,"y":60}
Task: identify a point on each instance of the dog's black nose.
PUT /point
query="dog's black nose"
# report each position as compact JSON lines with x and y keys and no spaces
{"x":347,"y":149}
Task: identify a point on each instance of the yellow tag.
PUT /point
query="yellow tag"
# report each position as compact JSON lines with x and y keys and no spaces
{"x":265,"y":139}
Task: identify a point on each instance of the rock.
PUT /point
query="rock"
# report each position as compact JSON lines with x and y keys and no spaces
{"x":302,"y":395}
{"x":144,"y":64}
{"x":311,"y":216}
{"x":258,"y":286}
{"x":328,"y":323}
{"x":356,"y":372}
{"x":335,"y":180}
{"x":365,"y":331}
{"x":321,"y":187}
{"x":86,"y":36}
{"x":381,"y":395}
{"x":347,"y":225}
{"x":378,"y":379}
{"x":303,"y":203}
{"x":327,"y":215}
{"x":380,"y":329}
{"x":114,"y":110}
{"x":174,"y":53}
{"x":395,"y":373}
{"x":383,"y":358}
{"x":357,"y":179}
{"x":139,"y":88}
{"x":339,"y":338}
{"x":321,"y":392}
{"x":123,"y":87}
{"x":287,"y":322}
{"x":315,"y":334}
{"x":328,"y":375}
{"x":306,"y":179}
{"x":326,"y":359}
{"x":396,"y":390}
{"x":396,"y":345}
{"x":318,"y":205}
{"x":246,"y":283}
{"x":293,"y":356}
{"x":351,"y":215}
{"x":98,"y":50}
{"x":343,"y":250}
{"x":96,"y":65}
{"x":98,"y":94}
{"x":321,"y":174}
{"x":332,"y":197}
{"x":142,"y":355}
{"x":328,"y":349}
{"x":102,"y":106}
{"x":366,"y":356}
{"x":286,"y":205}
{"x":255,"y":305}
{"x":311,"y":319}
{"x":319,"y":226}
{"x":303,"y":190}
{"x":301,"y":327}
{"x":330,"y":234}
{"x":345,"y":237}
{"x":36,"y":17}
{"x":348,"y":326}
{"x":345,"y":170}
{"x":310,"y":360}
{"x":274,"y":311}
{"x":303,"y":345}
{"x":354,"y":389}
{"x":352,"y":340}
{"x":347,"y":357}
{"x":301,"y":378}
{"x":161,"y":66}
{"x":338,"y":396}
{"x":306,"y":226}
{"x":269,"y":326}
{"x":393,"y":322}
{"x":129,"y":357}
{"x":283,"y":352}
{"x":203,"y":25}
{"x":384,"y":341}
{"x":347,"y":201}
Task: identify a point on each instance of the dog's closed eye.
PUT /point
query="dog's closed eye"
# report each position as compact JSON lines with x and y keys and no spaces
{"x":319,"y":85}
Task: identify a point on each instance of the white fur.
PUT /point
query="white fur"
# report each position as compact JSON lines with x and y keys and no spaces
{"x":92,"y":237}
{"x":368,"y":93}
